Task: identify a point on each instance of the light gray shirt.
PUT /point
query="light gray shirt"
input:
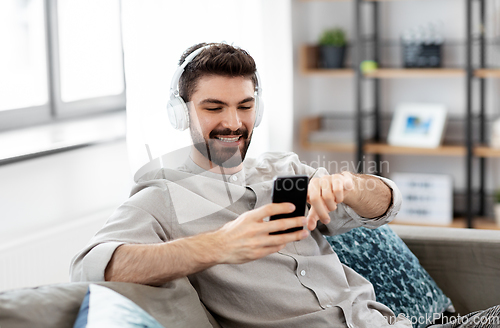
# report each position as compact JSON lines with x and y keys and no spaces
{"x":304,"y":285}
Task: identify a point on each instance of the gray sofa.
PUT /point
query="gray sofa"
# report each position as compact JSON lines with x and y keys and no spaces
{"x":464,"y":263}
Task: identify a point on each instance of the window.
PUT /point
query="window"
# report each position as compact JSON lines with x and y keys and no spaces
{"x":59,"y":59}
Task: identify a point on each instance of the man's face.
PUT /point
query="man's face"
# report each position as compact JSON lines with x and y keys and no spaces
{"x":221,"y":122}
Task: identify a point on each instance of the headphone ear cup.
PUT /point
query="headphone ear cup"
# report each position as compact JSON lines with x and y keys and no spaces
{"x":178,"y":113}
{"x":259,"y":110}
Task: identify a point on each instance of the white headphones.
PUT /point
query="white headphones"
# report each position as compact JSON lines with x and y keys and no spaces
{"x":177,"y":109}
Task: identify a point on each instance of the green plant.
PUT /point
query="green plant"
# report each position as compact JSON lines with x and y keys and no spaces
{"x":333,"y":37}
{"x":497,"y":196}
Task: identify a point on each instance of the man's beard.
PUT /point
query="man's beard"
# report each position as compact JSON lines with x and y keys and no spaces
{"x":224,"y":156}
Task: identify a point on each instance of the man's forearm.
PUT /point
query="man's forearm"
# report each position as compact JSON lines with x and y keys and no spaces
{"x":156,"y":264}
{"x":372,"y":197}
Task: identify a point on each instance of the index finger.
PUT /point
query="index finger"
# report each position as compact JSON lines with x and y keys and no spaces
{"x":271,"y":209}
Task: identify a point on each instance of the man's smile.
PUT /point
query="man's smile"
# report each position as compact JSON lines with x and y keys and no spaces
{"x":229,"y":140}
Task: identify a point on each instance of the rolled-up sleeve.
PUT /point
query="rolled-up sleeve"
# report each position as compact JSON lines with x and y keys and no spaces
{"x":91,"y":265}
{"x":142,"y":219}
{"x":388,"y":216}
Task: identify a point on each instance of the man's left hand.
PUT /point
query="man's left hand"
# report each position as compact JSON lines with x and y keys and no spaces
{"x":325,"y":193}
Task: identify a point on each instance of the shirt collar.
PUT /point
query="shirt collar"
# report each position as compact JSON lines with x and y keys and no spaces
{"x":237,"y":178}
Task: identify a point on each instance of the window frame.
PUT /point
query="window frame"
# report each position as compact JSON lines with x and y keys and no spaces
{"x":55,"y":109}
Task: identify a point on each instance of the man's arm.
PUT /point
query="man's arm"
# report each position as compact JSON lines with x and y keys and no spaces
{"x":242,"y":240}
{"x":367,"y":195}
{"x":370,"y":197}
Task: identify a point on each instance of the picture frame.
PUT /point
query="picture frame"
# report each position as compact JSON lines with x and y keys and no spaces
{"x":417,"y":125}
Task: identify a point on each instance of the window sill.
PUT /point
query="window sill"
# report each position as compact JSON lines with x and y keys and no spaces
{"x":60,"y":136}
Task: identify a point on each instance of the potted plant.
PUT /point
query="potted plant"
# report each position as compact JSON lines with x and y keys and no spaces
{"x":332,"y":44}
{"x":497,"y":207}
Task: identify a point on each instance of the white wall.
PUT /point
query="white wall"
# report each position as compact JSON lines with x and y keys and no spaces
{"x":315,"y":95}
{"x":51,"y":206}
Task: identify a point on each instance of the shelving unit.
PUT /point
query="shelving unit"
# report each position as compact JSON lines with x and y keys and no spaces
{"x":401,"y":73}
{"x":308,"y":62}
{"x":487,"y":73}
{"x":381,"y":148}
{"x":309,"y":125}
{"x":479,"y":223}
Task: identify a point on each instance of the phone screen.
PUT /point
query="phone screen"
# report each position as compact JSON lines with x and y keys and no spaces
{"x":291,"y":189}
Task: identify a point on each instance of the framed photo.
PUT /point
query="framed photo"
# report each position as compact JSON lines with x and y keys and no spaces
{"x":417,"y":125}
{"x":427,"y":198}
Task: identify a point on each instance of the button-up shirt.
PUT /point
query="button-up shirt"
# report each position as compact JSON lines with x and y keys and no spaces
{"x":303,"y":285}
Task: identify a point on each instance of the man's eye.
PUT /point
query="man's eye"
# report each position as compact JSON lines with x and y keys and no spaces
{"x":214,"y":108}
{"x":243,"y":107}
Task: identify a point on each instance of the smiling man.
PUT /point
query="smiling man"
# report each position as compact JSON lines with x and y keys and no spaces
{"x":208,"y":219}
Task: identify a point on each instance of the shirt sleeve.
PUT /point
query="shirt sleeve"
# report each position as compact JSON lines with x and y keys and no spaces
{"x":141,"y":219}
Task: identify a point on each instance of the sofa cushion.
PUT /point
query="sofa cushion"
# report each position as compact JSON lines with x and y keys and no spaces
{"x":103,"y":307}
{"x":56,"y":306}
{"x":400,"y":282}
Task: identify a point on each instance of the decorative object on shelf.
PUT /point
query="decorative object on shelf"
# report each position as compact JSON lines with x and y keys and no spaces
{"x":368,"y":66}
{"x":496,"y":207}
{"x":495,"y":135}
{"x":422,"y":47}
{"x":427,"y":198}
{"x":332,"y":44}
{"x":417,"y":125}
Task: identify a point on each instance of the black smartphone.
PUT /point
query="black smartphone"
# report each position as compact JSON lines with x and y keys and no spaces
{"x":290,"y":189}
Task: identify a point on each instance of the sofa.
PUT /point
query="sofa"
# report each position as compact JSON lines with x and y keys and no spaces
{"x":465,"y":264}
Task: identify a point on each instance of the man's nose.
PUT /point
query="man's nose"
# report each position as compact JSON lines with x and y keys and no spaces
{"x":231,"y":120}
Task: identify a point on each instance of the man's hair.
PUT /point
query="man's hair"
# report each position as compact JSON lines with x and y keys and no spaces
{"x":218,"y":59}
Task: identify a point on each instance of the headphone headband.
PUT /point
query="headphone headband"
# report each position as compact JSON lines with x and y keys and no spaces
{"x":177,"y":75}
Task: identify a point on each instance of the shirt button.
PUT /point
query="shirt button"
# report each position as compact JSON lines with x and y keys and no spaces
{"x":234,"y":178}
{"x":303,"y":272}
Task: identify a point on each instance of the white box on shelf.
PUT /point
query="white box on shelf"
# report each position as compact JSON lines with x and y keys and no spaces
{"x":427,"y":198}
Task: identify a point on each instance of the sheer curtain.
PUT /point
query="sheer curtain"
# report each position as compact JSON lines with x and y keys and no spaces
{"x":155,"y":34}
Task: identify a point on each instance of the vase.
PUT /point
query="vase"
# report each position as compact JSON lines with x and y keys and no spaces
{"x":332,"y":57}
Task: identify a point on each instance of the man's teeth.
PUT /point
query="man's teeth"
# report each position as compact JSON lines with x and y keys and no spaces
{"x":228,"y":139}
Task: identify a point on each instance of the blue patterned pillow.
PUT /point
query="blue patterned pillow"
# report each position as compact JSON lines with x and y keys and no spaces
{"x":400,"y":282}
{"x":103,"y":307}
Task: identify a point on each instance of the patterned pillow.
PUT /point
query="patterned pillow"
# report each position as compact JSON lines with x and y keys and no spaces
{"x":400,"y":282}
{"x":103,"y":307}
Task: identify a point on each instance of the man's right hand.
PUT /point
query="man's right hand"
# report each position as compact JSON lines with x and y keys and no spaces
{"x":247,"y":238}
{"x":242,"y":240}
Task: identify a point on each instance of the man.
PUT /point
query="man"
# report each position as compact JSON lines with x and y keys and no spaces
{"x":208,"y":219}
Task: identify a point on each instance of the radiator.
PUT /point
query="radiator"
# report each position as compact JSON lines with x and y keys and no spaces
{"x":44,"y":257}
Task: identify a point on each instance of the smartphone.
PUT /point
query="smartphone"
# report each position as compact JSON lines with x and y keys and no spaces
{"x":290,"y":189}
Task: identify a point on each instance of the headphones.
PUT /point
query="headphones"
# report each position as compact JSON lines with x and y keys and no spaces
{"x":177,"y":109}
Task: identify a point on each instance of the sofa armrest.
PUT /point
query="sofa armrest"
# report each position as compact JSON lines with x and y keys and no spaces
{"x":465,"y":263}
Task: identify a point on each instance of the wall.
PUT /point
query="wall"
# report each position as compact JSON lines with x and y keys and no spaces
{"x":51,"y":206}
{"x":318,"y":95}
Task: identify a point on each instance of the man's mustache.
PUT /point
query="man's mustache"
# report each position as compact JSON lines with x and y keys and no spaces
{"x":229,"y":132}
